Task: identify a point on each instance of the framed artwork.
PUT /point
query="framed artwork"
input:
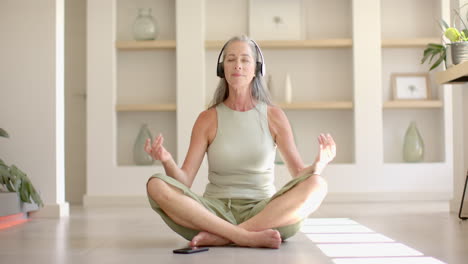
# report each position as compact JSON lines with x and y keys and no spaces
{"x":411,"y":86}
{"x":275,"y":19}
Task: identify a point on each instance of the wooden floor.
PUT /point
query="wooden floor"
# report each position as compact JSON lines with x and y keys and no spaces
{"x":422,"y":233}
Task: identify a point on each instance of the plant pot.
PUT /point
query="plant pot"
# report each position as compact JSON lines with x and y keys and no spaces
{"x":459,"y":52}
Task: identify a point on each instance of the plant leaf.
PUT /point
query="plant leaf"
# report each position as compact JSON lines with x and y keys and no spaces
{"x":435,"y":46}
{"x":17,"y":172}
{"x":439,"y":61}
{"x":3,"y":133}
{"x":23,"y":193}
{"x":10,"y":187}
{"x":37,"y":199}
{"x":443,"y":24}
{"x":461,"y":19}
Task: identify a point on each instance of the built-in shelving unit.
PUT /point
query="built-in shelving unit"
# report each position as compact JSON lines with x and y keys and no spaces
{"x":402,"y":51}
{"x":340,"y":72}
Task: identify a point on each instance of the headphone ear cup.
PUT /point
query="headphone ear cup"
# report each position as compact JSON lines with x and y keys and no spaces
{"x":259,"y":68}
{"x":220,"y":70}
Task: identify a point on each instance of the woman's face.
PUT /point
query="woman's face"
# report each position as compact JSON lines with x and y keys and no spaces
{"x":239,"y":64}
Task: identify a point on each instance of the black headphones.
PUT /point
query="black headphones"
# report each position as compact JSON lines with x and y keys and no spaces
{"x":259,"y":65}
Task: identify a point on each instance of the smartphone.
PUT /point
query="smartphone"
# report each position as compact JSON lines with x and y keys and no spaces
{"x":190,"y":250}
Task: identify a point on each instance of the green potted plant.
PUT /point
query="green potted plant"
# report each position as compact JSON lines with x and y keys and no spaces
{"x":458,"y":44}
{"x":12,"y":179}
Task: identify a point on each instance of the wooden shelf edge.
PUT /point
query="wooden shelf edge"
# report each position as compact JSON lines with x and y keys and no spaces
{"x":408,"y":42}
{"x":455,"y":74}
{"x":408,"y":104}
{"x":331,"y":105}
{"x":291,"y":44}
{"x":146,"y":44}
{"x":145,"y":107}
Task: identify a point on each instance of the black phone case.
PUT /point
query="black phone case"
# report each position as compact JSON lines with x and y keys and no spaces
{"x":190,"y":250}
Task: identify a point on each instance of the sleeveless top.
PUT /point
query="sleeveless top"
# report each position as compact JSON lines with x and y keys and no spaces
{"x":242,"y":155}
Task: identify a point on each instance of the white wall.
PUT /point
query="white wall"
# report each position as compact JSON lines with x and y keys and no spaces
{"x":31,"y":94}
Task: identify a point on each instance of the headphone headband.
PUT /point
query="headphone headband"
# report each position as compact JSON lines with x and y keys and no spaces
{"x":259,"y":65}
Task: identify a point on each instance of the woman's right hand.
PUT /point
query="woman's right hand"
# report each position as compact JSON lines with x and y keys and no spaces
{"x":157,"y":150}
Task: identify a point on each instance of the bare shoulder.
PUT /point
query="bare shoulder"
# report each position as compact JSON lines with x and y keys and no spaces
{"x":208,"y":116}
{"x":277,"y":120}
{"x":207,"y":123}
{"x":276,"y":115}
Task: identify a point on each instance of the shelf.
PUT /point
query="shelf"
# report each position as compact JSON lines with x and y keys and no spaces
{"x":317,"y":105}
{"x":408,"y":42}
{"x":405,"y":104}
{"x":291,"y":44}
{"x":147,"y":44}
{"x":145,"y":107}
{"x":455,"y":74}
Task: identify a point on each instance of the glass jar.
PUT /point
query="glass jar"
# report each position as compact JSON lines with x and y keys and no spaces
{"x":145,"y":27}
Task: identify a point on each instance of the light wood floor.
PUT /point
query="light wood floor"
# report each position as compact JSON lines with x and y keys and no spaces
{"x":138,"y":235}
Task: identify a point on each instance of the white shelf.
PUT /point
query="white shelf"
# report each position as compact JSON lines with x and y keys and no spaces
{"x":413,"y":104}
{"x":280,"y":44}
{"x":408,"y":42}
{"x":145,"y":107}
{"x":317,"y":105}
{"x":292,"y":44}
{"x":143,"y":45}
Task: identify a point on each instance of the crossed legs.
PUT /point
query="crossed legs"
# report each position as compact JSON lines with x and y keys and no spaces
{"x":289,"y":208}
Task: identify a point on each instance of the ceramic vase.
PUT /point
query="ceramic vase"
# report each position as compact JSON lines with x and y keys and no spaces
{"x":413,"y":148}
{"x":140,"y":157}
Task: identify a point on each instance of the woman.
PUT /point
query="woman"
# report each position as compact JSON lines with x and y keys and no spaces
{"x":240,"y":133}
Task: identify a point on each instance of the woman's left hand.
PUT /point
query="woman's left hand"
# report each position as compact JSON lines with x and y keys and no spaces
{"x":327,"y":149}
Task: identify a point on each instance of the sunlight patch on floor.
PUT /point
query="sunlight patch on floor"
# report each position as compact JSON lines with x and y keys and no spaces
{"x":399,"y":260}
{"x":348,"y":242}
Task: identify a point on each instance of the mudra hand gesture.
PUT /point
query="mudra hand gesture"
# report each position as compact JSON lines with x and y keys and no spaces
{"x":157,"y":150}
{"x":327,"y":152}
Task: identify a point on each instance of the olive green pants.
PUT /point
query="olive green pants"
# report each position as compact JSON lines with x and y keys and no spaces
{"x":235,"y":211}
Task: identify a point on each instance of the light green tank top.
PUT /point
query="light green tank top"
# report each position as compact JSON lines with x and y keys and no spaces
{"x":241,"y":157}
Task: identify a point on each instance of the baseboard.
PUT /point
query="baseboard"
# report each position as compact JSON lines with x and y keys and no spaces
{"x":101,"y":200}
{"x":388,"y":197}
{"x":52,"y":211}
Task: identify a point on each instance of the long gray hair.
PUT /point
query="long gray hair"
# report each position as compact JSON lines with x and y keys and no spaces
{"x":258,"y":86}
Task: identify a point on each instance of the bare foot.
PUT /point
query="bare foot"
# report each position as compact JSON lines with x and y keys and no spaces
{"x":207,"y":239}
{"x":268,"y":239}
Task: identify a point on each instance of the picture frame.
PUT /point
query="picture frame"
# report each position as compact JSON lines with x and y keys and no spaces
{"x":411,"y":86}
{"x":275,"y":19}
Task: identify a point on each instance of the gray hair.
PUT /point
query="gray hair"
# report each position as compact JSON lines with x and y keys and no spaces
{"x":258,"y":88}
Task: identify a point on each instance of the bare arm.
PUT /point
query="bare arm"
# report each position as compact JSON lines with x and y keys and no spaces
{"x":196,"y":152}
{"x":283,"y":136}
